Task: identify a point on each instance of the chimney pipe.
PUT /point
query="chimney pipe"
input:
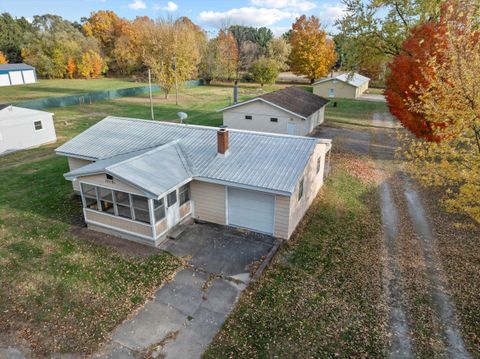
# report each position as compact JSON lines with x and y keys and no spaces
{"x":235,"y":92}
{"x":222,"y":141}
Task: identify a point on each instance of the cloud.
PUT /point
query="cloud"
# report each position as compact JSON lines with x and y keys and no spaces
{"x":171,"y":6}
{"x":250,"y":16}
{"x":137,"y":5}
{"x":280,"y":30}
{"x":291,"y":5}
{"x":331,"y":12}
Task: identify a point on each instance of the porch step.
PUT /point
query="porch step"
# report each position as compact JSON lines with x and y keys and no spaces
{"x":176,"y":232}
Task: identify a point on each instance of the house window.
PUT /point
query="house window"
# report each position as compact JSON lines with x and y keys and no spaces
{"x":248,"y":117}
{"x":273,"y":119}
{"x":300,"y":190}
{"x":319,"y":163}
{"x":159,"y":209}
{"x":109,"y":177}
{"x":122,"y":200}
{"x":184,"y":193}
{"x":90,"y":196}
{"x":106,"y":200}
{"x":172,"y":198}
{"x":140,"y":209}
{"x":38,"y":125}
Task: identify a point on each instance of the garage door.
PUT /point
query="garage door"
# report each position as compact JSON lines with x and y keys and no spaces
{"x":4,"y":80}
{"x":251,"y":209}
{"x":16,"y":77}
{"x":28,"y":76}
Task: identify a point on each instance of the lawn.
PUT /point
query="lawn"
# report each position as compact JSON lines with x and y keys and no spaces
{"x":354,"y":112}
{"x":322,"y":296}
{"x":51,"y":88}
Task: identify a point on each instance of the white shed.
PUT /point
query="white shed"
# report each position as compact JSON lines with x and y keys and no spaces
{"x":342,"y":86}
{"x":24,"y":128}
{"x":17,"y":74}
{"x":291,"y":111}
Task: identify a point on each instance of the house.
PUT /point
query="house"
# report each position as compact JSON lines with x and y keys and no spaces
{"x":291,"y":111}
{"x":138,"y":179}
{"x":24,"y":128}
{"x":342,"y":86}
{"x":17,"y":74}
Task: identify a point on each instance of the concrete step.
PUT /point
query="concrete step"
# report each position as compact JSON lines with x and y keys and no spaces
{"x":176,"y":232}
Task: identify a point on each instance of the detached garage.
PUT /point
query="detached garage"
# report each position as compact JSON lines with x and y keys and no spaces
{"x":17,"y":74}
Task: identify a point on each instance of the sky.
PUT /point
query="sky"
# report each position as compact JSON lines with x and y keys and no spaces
{"x":278,"y":15}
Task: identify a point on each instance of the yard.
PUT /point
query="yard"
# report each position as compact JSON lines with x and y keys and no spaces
{"x":63,"y":291}
{"x":50,"y":88}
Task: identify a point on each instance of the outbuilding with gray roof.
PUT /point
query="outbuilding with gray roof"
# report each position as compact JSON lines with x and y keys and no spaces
{"x":17,"y":74}
{"x":348,"y":85}
{"x":139,"y":179}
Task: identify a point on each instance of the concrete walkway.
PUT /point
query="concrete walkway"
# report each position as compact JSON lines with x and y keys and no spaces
{"x":185,"y":314}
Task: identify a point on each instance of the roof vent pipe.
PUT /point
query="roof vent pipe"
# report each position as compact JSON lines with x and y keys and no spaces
{"x":235,"y":92}
{"x":222,"y":141}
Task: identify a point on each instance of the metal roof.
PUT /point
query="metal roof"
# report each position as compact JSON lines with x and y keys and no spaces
{"x":255,"y":160}
{"x":20,"y":66}
{"x":291,"y":99}
{"x":9,"y":112}
{"x":356,"y":80}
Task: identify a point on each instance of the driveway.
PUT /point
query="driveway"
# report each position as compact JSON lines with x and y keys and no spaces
{"x":185,"y":314}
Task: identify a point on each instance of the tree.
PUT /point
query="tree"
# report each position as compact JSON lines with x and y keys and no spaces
{"x":208,"y":68}
{"x":105,"y":26}
{"x":449,"y":97}
{"x":228,"y":55}
{"x":91,"y":65}
{"x":249,"y":52}
{"x":313,"y":54}
{"x":264,"y":71}
{"x":410,"y":67}
{"x":170,"y":48}
{"x":279,"y":49}
{"x":3,"y":59}
{"x":262,"y":36}
{"x":71,"y":68}
{"x":12,"y":33}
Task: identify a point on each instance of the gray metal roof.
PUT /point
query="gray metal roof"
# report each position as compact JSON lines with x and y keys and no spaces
{"x":255,"y":160}
{"x":20,"y":66}
{"x":356,"y":80}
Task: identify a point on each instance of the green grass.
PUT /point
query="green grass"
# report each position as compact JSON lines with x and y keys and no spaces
{"x":51,"y":88}
{"x":353,"y":112}
{"x":322,"y":295}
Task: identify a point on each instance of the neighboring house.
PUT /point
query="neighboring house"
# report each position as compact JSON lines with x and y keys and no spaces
{"x":290,"y":111}
{"x":139,"y":179}
{"x":17,"y":74}
{"x":342,"y":86}
{"x":24,"y":128}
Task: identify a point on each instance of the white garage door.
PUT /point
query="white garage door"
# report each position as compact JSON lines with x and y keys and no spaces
{"x":16,"y":77}
{"x":4,"y":80}
{"x":251,"y":209}
{"x":28,"y":76}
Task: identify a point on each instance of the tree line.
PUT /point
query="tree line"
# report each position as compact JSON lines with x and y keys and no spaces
{"x":105,"y":43}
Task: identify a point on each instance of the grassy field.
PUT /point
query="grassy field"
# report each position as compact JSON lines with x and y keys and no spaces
{"x":354,"y":112}
{"x":51,"y":88}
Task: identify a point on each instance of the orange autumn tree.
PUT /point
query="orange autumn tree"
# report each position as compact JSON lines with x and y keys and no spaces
{"x":227,"y":55}
{"x":313,"y":53}
{"x":3,"y":59}
{"x":410,"y":67}
{"x":71,"y":68}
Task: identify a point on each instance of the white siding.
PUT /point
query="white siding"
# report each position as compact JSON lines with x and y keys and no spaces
{"x":28,"y":76}
{"x":341,"y":89}
{"x":18,"y":132}
{"x":73,"y":164}
{"x":262,"y":113}
{"x":4,"y":80}
{"x":209,"y":201}
{"x":16,"y":77}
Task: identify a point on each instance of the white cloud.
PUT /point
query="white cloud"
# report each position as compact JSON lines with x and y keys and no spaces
{"x":331,"y":12}
{"x":137,"y":5}
{"x":250,"y":16}
{"x":280,"y":30}
{"x":171,"y":6}
{"x":293,"y":5}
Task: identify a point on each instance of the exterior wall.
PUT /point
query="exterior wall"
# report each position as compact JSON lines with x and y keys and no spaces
{"x":342,"y":89}
{"x":185,"y":209}
{"x":161,"y":227}
{"x":209,"y":201}
{"x":101,"y":180}
{"x":282,"y":216}
{"x":312,"y":184}
{"x":18,"y":133}
{"x":17,"y":77}
{"x":315,"y":119}
{"x":261,"y":113}
{"x":73,"y":164}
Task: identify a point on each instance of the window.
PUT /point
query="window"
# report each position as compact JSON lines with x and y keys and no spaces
{"x":122,"y":200}
{"x":184,"y":193}
{"x":172,"y":198}
{"x":273,"y":119}
{"x":90,"y":196}
{"x":248,"y":117}
{"x":300,"y":190}
{"x":38,"y":125}
{"x":159,"y":209}
{"x":109,"y":177}
{"x":106,"y":200}
{"x":319,"y":163}
{"x":140,"y":209}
